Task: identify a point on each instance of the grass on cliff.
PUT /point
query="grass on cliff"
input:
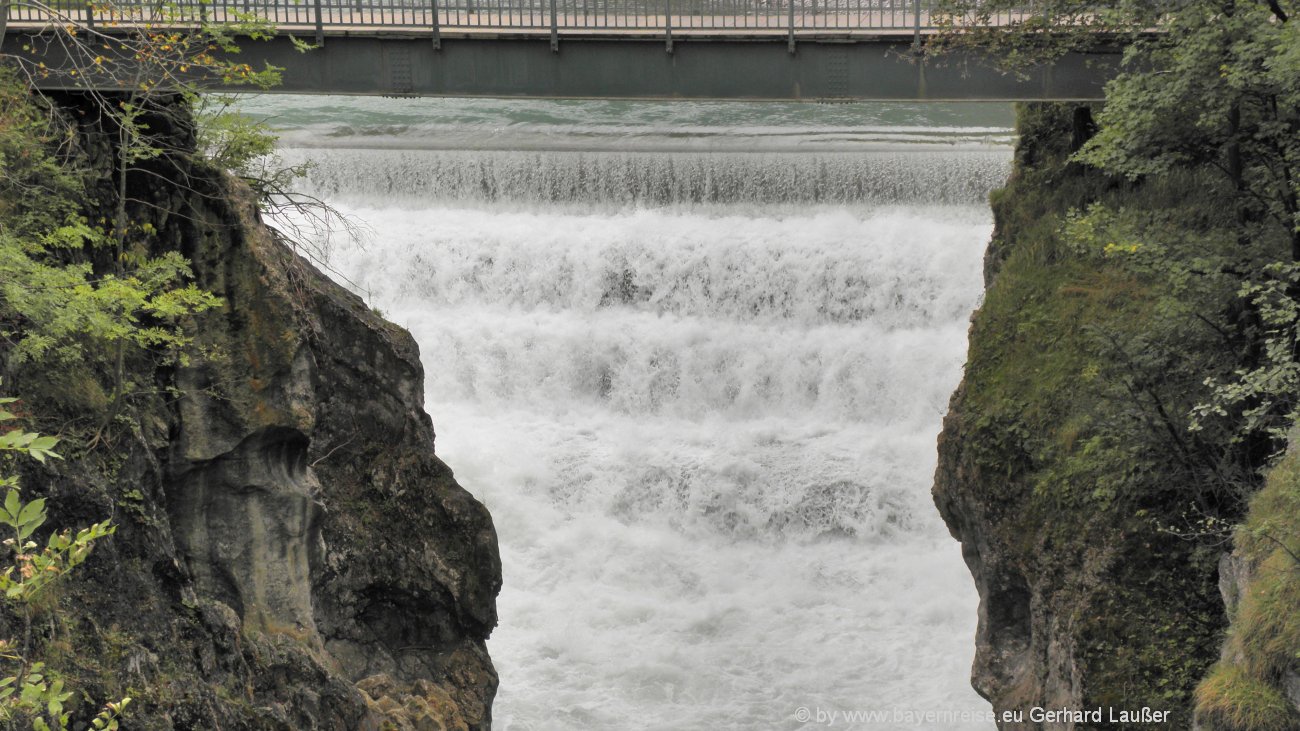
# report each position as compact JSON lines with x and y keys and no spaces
{"x":1245,"y":690}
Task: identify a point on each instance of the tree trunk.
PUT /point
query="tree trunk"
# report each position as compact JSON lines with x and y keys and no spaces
{"x":1236,"y":171}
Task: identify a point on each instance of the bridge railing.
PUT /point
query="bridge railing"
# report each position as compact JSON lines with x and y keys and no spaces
{"x":664,"y":16}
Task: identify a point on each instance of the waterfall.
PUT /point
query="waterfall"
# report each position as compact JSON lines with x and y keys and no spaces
{"x":660,"y":178}
{"x":699,"y":392}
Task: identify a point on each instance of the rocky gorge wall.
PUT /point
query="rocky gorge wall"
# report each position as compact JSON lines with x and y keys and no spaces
{"x":291,"y":554}
{"x":1063,"y":469}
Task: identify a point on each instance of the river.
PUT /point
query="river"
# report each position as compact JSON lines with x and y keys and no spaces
{"x":693,"y":357}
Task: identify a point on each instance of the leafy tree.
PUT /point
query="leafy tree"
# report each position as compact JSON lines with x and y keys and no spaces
{"x":1206,"y":86}
{"x":83,"y":278}
{"x":1220,"y":87}
{"x":134,"y":64}
{"x":247,"y":148}
{"x":161,"y":60}
{"x":71,"y":292}
{"x":1219,"y":90}
{"x":1223,"y":92}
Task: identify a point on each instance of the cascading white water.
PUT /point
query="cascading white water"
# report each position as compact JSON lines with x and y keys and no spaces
{"x":661,"y":178}
{"x":698,"y":391}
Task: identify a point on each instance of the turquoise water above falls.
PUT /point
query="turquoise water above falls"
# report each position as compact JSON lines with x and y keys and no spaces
{"x":693,"y":357}
{"x":520,"y":124}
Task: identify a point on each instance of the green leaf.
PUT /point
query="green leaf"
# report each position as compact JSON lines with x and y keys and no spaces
{"x":42,"y":447}
{"x":26,"y":531}
{"x":33,"y":511}
{"x":12,"y":505}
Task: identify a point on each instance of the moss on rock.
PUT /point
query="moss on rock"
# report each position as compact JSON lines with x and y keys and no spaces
{"x":1067,"y":468}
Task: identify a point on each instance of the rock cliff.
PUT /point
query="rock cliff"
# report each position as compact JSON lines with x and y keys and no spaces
{"x":1063,"y":466}
{"x":291,"y":553}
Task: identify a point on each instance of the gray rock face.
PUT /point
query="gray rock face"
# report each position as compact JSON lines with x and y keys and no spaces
{"x":1003,"y":636}
{"x":249,"y":523}
{"x":1291,"y":684}
{"x":1022,"y":656}
{"x":1234,"y":576}
{"x":305,"y":494}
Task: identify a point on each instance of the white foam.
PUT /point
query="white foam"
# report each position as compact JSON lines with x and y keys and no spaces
{"x":706,"y":437}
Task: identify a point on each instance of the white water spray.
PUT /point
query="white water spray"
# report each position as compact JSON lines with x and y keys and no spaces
{"x":699,"y":394}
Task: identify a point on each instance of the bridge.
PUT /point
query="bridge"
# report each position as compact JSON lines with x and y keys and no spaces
{"x":815,"y":50}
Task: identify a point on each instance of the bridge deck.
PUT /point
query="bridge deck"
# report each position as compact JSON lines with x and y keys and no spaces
{"x":645,"y":32}
{"x":466,"y":16}
{"x":655,"y":49}
{"x":655,"y":27}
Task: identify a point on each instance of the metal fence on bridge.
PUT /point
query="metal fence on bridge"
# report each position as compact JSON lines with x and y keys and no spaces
{"x":666,"y":16}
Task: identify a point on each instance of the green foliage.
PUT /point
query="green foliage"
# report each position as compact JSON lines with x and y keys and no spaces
{"x":162,"y":52}
{"x":38,"y":194}
{"x":1216,"y":91}
{"x":230,"y":139}
{"x":86,"y":286}
{"x":1214,"y":94}
{"x":1194,"y":396}
{"x":35,"y":446}
{"x":1201,"y":279}
{"x":1132,"y":372}
{"x":33,"y":571}
{"x":94,"y":300}
{"x":1226,"y":97}
{"x":1267,"y":627}
{"x":34,"y":693}
{"x":75,"y":295}
{"x":1265,"y":392}
{"x":1221,"y":79}
{"x":61,"y":310}
{"x":246,"y":147}
{"x":157,"y":53}
{"x":157,"y":48}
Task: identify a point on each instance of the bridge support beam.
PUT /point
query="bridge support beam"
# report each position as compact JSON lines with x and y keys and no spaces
{"x":721,"y":67}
